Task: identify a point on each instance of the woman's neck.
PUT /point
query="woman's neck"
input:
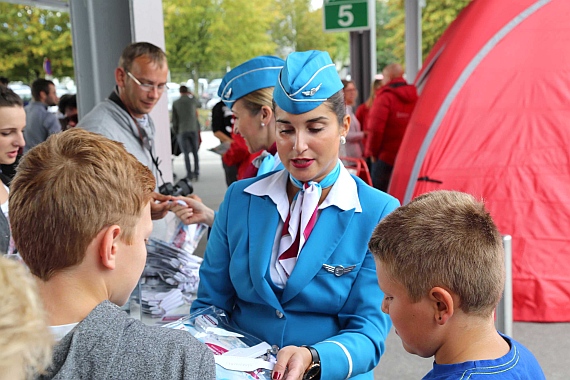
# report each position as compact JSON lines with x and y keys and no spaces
{"x":292,"y":190}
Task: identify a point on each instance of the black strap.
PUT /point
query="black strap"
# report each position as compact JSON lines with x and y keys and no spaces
{"x":142,"y":136}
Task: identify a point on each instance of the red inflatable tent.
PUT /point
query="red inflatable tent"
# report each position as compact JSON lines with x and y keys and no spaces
{"x":493,"y":120}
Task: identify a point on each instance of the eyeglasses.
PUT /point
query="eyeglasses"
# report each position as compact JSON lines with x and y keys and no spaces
{"x":146,"y":87}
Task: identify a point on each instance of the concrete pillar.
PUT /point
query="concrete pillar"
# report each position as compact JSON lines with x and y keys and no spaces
{"x":360,"y":63}
{"x":413,"y":38}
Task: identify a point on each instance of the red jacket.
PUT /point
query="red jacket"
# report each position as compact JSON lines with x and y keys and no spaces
{"x":388,"y":119}
{"x":238,"y":154}
{"x":361,"y":114}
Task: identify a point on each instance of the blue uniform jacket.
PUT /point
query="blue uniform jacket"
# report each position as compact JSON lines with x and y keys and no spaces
{"x":338,"y":315}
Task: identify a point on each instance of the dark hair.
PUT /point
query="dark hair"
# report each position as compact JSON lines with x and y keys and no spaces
{"x":139,"y":49}
{"x":4,"y":81}
{"x":183,"y":90}
{"x":9,"y":98}
{"x":336,"y":104}
{"x":67,"y":100}
{"x":40,"y":85}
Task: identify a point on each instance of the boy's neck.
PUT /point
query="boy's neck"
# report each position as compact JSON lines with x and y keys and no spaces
{"x":470,"y":339}
{"x":68,"y":298}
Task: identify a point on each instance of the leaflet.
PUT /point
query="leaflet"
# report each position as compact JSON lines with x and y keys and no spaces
{"x":238,"y":355}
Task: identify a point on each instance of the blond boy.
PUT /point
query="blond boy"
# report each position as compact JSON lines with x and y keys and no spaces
{"x":439,"y":262}
{"x":80,"y":217}
{"x":24,"y":336}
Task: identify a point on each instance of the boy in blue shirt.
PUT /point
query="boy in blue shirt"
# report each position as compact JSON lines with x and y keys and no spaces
{"x":439,"y":262}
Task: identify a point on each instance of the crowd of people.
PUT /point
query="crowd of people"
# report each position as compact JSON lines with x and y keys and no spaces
{"x":301,"y":254}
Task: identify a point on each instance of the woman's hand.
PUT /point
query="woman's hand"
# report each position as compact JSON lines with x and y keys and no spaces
{"x":194,"y":211}
{"x":159,"y":205}
{"x":292,"y":362}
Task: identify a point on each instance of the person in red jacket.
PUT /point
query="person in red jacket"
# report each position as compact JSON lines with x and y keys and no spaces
{"x":387,"y":122}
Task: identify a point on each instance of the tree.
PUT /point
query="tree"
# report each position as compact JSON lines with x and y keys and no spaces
{"x":298,"y":28}
{"x":384,"y":51}
{"x":30,"y":34}
{"x":203,"y":37}
{"x":436,"y":17}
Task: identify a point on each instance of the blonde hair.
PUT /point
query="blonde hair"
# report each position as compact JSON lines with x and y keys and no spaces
{"x":376,"y":84}
{"x":24,"y":336}
{"x":257,"y":99}
{"x":68,"y":189}
{"x":446,"y":239}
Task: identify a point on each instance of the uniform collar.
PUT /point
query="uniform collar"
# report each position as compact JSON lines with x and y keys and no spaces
{"x":343,"y":194}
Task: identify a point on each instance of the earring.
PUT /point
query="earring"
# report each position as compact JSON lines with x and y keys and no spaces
{"x":262,"y":124}
{"x":342,"y":140}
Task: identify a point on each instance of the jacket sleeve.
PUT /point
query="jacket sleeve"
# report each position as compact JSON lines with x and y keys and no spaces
{"x":359,"y":344}
{"x":174,"y":119}
{"x":360,"y":114}
{"x":237,"y":153}
{"x":376,"y":124}
{"x":216,"y":287}
{"x":52,"y":124}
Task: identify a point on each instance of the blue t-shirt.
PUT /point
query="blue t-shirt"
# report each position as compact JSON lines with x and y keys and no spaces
{"x":518,"y":363}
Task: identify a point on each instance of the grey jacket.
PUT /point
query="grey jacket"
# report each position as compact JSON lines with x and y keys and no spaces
{"x":111,"y":120}
{"x":108,"y":344}
{"x":4,"y":234}
{"x":40,"y":124}
{"x":184,"y":114}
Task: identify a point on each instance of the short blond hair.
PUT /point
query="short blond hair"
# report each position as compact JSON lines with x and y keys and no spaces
{"x":446,"y":239}
{"x":24,"y":336}
{"x":67,"y":190}
{"x":257,"y":99}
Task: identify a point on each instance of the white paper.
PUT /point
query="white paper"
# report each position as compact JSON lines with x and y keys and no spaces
{"x":236,"y":363}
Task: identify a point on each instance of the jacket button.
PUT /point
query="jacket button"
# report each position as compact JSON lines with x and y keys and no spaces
{"x":279,"y":314}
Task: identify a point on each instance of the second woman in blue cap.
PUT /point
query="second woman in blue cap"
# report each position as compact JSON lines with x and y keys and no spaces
{"x":248,"y":91}
{"x":287,"y":256}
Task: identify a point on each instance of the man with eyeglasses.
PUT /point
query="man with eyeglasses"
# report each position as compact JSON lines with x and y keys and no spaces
{"x":141,"y":79}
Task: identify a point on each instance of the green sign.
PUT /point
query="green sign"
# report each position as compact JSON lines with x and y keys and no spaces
{"x":345,"y":15}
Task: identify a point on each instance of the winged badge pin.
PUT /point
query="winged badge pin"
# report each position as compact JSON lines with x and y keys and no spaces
{"x":339,"y":270}
{"x":312,"y":91}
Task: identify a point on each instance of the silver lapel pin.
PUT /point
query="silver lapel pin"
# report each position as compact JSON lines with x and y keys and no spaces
{"x":339,"y":270}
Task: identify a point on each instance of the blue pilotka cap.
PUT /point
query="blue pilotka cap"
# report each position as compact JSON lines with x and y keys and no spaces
{"x":257,"y":73}
{"x":307,"y":80}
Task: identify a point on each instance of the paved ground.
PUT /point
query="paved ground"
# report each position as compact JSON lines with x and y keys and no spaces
{"x":549,"y":342}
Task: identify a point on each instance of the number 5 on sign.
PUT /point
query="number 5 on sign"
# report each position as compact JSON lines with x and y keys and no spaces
{"x":346,"y":15}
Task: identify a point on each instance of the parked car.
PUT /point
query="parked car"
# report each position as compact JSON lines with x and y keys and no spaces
{"x":202,"y":85}
{"x":211,"y":93}
{"x":24,"y":91}
{"x":212,"y":102}
{"x":173,"y":93}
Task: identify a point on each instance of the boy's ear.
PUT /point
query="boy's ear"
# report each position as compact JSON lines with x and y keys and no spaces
{"x":443,"y":303}
{"x":108,"y":246}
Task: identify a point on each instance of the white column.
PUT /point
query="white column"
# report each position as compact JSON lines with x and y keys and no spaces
{"x":413,"y":38}
{"x":148,"y":26}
